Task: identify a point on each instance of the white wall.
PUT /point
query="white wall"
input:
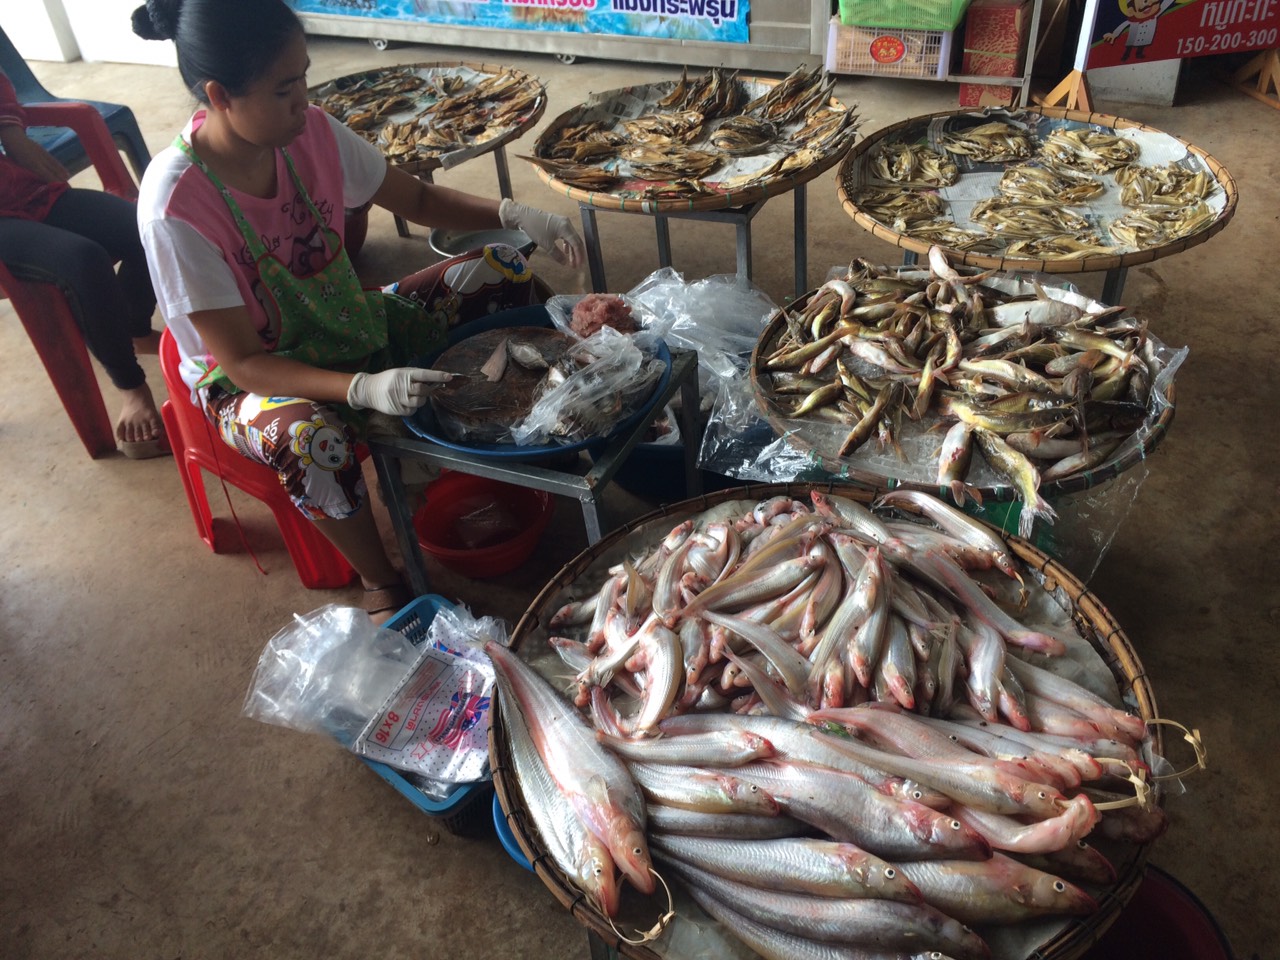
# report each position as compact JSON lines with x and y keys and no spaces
{"x":104,"y":32}
{"x":39,"y":29}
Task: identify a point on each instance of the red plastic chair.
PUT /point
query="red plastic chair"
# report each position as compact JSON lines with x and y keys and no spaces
{"x":197,"y":447}
{"x":43,"y":308}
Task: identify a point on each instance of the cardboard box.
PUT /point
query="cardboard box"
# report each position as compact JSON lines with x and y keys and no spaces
{"x":995,"y":42}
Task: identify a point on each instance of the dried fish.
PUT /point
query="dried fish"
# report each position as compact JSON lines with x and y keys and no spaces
{"x":1049,"y":184}
{"x":992,"y":141}
{"x":1171,"y":184}
{"x":1085,"y":149}
{"x":1012,"y":219}
{"x":913,"y":164}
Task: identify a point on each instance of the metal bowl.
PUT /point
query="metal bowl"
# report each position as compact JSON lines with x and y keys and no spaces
{"x":452,"y":243}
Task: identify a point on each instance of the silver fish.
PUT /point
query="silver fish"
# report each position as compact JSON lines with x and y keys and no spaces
{"x":595,"y":781}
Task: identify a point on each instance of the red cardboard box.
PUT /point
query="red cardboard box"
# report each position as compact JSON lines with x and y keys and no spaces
{"x":995,"y":41}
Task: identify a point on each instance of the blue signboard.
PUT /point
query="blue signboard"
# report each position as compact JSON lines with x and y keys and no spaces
{"x":719,"y":20}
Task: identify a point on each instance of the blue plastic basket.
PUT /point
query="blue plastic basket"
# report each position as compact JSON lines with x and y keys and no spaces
{"x":506,"y":837}
{"x":464,"y":811}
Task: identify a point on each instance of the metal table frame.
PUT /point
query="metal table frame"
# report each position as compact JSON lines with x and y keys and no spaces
{"x":741,"y":217}
{"x":504,"y":184}
{"x":586,"y":486}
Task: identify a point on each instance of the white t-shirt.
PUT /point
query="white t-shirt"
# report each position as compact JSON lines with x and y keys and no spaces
{"x":198,"y":257}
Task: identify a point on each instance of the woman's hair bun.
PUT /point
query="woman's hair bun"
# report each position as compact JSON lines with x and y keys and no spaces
{"x":157,"y":20}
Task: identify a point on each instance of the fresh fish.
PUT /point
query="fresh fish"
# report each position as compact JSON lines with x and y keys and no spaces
{"x":1018,"y":471}
{"x":496,"y":365}
{"x":724,"y":748}
{"x":1078,"y":698}
{"x":526,"y":355}
{"x":821,"y":868}
{"x":953,"y":462}
{"x":1076,"y":861}
{"x":1077,"y":818}
{"x":667,"y":821}
{"x":802,"y":743}
{"x":704,"y":789}
{"x":577,"y":852}
{"x":847,"y":808}
{"x":1000,"y":890}
{"x":782,"y":657}
{"x":959,"y":525}
{"x":875,"y":924}
{"x":596,"y":782}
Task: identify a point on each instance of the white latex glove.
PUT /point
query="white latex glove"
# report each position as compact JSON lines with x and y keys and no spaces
{"x":550,"y":231}
{"x":397,"y":392}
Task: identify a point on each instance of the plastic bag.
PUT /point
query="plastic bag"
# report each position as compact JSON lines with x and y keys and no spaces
{"x":335,"y":673}
{"x":560,"y":309}
{"x":720,"y":317}
{"x":327,"y":672}
{"x":615,"y":374}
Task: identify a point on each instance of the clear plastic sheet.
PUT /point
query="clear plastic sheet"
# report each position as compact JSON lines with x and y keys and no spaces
{"x":739,"y":442}
{"x":616,"y":373}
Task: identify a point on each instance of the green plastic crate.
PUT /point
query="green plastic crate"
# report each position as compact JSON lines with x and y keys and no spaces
{"x":903,"y":14}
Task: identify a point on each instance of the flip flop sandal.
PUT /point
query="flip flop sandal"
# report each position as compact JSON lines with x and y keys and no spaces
{"x":386,"y":599}
{"x":145,"y":449}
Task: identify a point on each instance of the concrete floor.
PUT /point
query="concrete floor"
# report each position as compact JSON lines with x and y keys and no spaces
{"x":143,"y":817}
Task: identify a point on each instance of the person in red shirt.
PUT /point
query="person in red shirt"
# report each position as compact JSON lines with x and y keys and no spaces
{"x":55,"y":233}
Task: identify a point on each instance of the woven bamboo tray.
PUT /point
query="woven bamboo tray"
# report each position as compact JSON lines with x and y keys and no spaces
{"x":424,"y":165}
{"x":847,"y":186}
{"x":631,"y":202}
{"x":816,"y":439}
{"x":1095,"y":621}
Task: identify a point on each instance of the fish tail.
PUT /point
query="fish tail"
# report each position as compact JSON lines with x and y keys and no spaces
{"x":1033,"y":509}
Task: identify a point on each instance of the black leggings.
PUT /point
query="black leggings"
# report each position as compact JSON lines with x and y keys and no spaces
{"x":76,"y":247}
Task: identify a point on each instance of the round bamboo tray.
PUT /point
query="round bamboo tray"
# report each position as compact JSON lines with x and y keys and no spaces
{"x":425,"y":165}
{"x":813,"y":438}
{"x":721,"y":200}
{"x":846,"y":187}
{"x":1096,"y":623}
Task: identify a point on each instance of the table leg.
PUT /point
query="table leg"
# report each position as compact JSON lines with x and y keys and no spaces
{"x":1113,"y":286}
{"x":402,"y":228}
{"x":591,"y":236}
{"x":662,"y":227}
{"x":388,"y":468}
{"x":504,"y":175}
{"x":802,"y":241}
{"x":744,"y":248}
{"x":591,"y":517}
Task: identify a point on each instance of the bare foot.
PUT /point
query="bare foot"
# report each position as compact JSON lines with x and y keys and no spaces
{"x":139,"y":419}
{"x":148,"y":345}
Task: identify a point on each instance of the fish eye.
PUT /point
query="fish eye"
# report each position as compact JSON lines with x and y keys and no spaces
{"x":955,"y":824}
{"x":1082,"y":845}
{"x":952,"y":737}
{"x":1042,"y":795}
{"x":1060,"y":886}
{"x":917,"y":794}
{"x":637,"y":851}
{"x":890,"y":872}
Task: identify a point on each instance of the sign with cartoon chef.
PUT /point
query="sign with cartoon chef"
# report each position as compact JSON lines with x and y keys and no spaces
{"x":1138,"y":31}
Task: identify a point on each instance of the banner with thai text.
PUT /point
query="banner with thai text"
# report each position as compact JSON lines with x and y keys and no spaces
{"x":1140,"y":31}
{"x":725,"y":21}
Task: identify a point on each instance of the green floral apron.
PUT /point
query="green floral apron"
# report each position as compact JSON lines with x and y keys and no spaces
{"x":326,"y":319}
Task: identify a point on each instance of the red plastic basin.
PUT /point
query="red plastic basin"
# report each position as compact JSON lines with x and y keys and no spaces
{"x":1164,"y":920}
{"x":480,"y":527}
